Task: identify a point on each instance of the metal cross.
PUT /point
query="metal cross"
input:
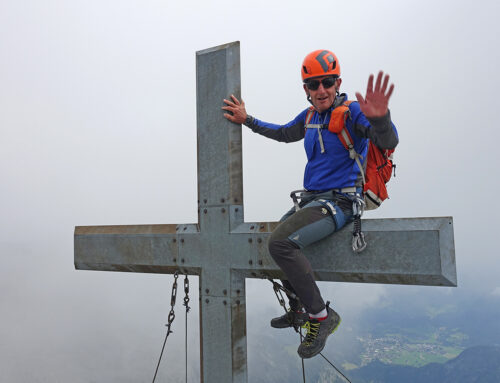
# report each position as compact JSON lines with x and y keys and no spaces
{"x":223,"y":249}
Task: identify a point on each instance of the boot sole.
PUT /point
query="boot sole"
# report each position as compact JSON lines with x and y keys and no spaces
{"x":291,"y":326}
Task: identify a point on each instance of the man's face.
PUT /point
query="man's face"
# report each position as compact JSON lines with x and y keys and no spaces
{"x":324,"y":96}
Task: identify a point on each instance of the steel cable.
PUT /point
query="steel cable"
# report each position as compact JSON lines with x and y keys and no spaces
{"x":302,"y":359}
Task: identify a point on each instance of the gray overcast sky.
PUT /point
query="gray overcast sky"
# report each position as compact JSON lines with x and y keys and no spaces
{"x":97,"y":126}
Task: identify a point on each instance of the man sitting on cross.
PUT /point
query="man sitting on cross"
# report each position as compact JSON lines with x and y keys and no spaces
{"x":333,"y":182}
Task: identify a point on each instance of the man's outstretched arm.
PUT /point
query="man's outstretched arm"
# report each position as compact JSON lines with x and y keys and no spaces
{"x":291,"y":132}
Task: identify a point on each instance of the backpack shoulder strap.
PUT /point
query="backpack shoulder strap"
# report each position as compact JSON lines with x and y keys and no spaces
{"x":309,"y":115}
{"x":338,"y":119}
{"x":337,"y":124}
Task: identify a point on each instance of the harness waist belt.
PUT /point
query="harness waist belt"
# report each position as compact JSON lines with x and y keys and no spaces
{"x":351,"y":189}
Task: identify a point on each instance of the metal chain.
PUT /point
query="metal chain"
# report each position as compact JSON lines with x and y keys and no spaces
{"x":186,"y":302}
{"x":277,"y":290}
{"x":171,"y":317}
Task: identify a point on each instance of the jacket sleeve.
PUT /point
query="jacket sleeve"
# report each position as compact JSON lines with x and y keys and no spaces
{"x":291,"y":132}
{"x":381,"y":131}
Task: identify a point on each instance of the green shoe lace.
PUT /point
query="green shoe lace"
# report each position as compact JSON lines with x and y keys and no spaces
{"x":312,"y":333}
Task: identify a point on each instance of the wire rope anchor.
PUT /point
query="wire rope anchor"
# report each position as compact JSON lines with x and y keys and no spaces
{"x":171,"y":317}
{"x":171,"y":314}
{"x":186,"y":291}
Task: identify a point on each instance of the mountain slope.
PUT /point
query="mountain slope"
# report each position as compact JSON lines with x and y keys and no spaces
{"x":480,"y":364}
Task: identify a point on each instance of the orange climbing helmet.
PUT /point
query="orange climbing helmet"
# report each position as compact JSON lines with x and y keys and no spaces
{"x":320,"y":63}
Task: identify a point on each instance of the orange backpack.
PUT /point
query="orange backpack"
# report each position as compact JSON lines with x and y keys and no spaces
{"x":379,"y":163}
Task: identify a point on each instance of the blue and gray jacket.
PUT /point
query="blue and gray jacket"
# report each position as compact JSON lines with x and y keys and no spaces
{"x":333,"y":168}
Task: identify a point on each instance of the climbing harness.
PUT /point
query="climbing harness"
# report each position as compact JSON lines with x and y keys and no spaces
{"x":278,"y":289}
{"x":358,"y":241}
{"x":171,"y":316}
{"x":293,"y":196}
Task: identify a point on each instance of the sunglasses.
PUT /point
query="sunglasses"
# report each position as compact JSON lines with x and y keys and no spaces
{"x":327,"y":82}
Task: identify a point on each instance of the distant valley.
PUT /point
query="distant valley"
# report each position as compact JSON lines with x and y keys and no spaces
{"x":415,"y":334}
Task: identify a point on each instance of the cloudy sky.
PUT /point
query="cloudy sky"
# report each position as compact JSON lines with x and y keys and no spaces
{"x":98,"y":126}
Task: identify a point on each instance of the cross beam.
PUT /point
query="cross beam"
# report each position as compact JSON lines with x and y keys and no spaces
{"x":223,"y":249}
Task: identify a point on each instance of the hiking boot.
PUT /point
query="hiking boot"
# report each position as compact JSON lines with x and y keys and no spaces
{"x":317,"y":332}
{"x":290,"y":319}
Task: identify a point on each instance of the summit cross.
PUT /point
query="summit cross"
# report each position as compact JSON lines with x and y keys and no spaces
{"x":223,"y":249}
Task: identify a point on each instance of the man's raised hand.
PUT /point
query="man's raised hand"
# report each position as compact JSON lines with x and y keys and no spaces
{"x":376,"y":101}
{"x":237,"y":108}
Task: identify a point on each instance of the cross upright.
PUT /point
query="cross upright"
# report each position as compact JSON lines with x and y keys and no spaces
{"x":223,"y":249}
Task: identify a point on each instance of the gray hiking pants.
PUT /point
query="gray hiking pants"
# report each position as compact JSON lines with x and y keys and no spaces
{"x":314,"y":221}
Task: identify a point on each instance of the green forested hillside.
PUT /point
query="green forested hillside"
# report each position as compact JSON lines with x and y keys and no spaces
{"x":479,"y":364}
